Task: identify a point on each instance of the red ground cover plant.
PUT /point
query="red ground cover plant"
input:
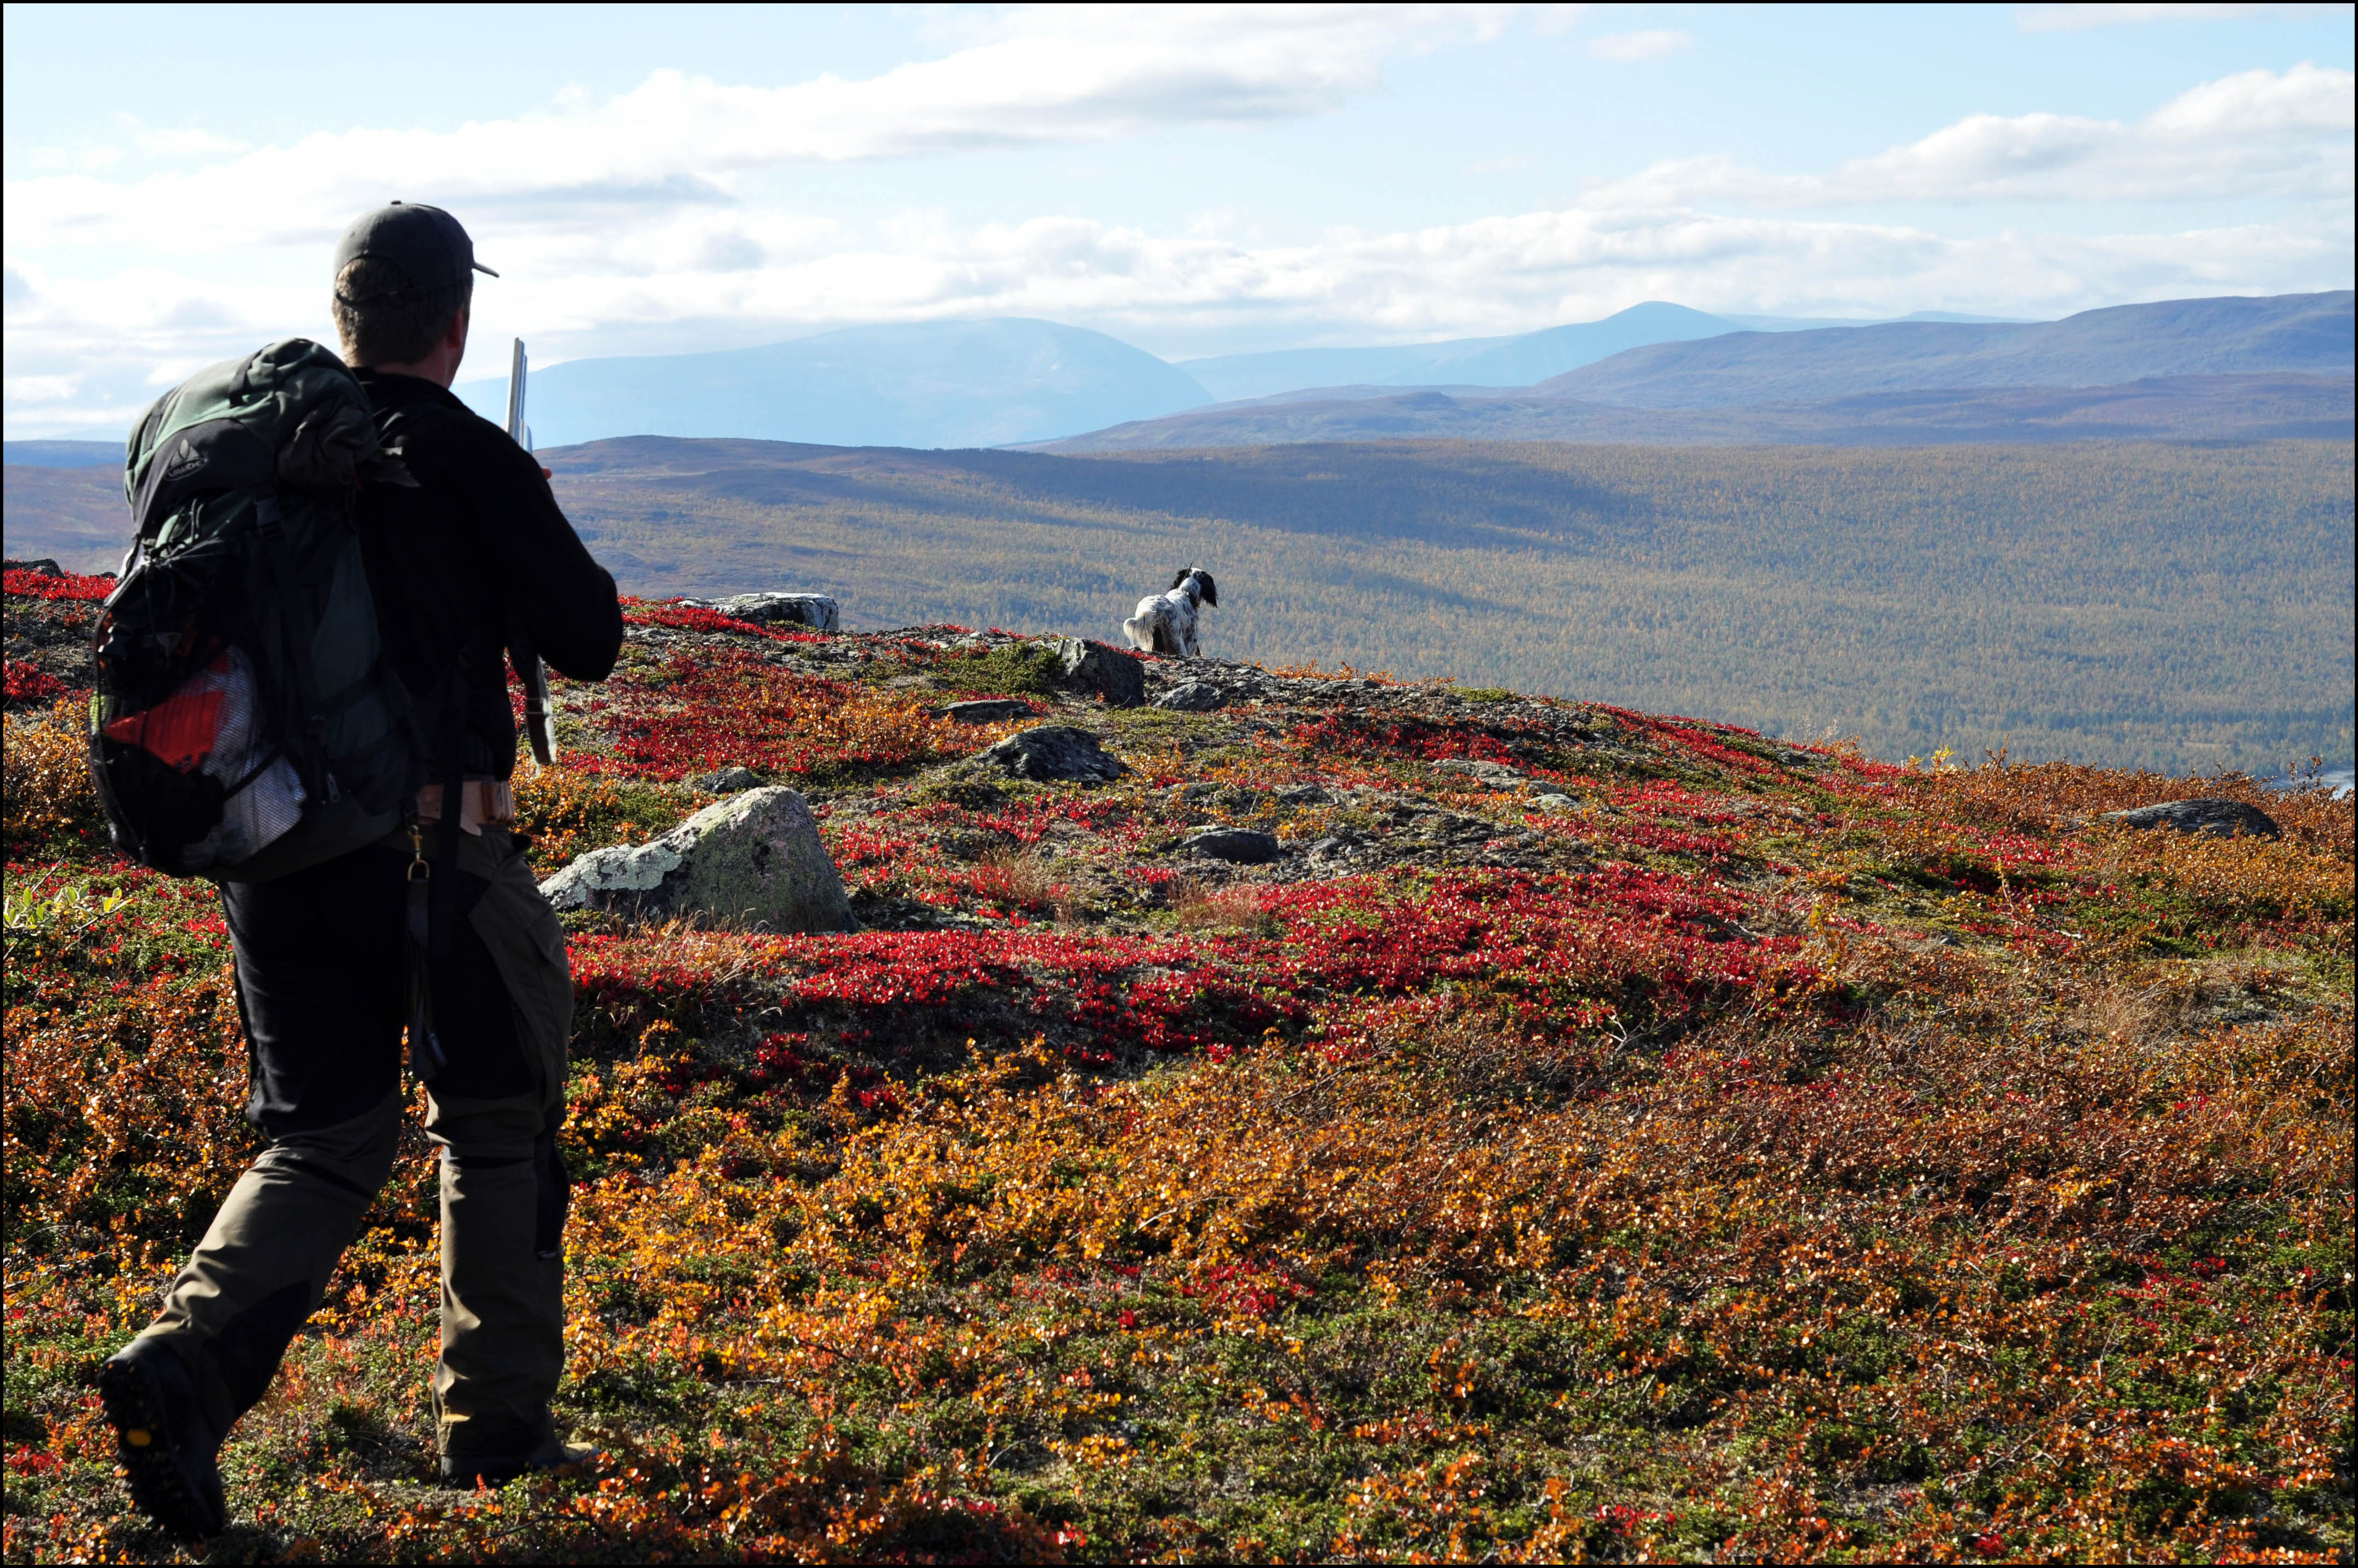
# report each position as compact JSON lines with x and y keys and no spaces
{"x":1794,"y":1157}
{"x":692,"y":711}
{"x":30,"y":584}
{"x":27,"y":682}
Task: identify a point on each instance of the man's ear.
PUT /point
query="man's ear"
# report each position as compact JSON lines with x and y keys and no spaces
{"x":455,"y":335}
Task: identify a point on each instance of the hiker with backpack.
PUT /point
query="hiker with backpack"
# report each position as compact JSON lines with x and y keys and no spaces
{"x":303,"y":695}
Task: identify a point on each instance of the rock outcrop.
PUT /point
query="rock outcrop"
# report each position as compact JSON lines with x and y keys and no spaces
{"x":1051,"y":751}
{"x":1101,"y":670}
{"x":753,"y":860}
{"x":1244,"y":846}
{"x":1192,"y":696}
{"x":2218,"y":818}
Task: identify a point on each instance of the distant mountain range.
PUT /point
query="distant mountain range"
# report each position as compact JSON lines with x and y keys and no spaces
{"x":2188,"y":369}
{"x":1658,"y":373}
{"x":1517,"y":360}
{"x":1013,"y":381}
{"x":66,"y":454}
{"x":928,"y":383}
{"x":1465,"y":362}
{"x":2282,"y":406}
{"x":2232,"y":336}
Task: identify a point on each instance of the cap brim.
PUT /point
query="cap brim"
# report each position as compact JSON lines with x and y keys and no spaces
{"x":479,"y":266}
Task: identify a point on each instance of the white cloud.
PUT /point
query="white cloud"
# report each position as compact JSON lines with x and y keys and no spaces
{"x":1548,"y":21}
{"x":1182,"y":292}
{"x":1040,"y":75}
{"x":2076,"y":18}
{"x":2253,"y":134}
{"x":1652,"y":45}
{"x":183,"y":143}
{"x":648,"y":223}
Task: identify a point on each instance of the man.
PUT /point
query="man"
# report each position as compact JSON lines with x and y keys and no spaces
{"x":472,"y":557}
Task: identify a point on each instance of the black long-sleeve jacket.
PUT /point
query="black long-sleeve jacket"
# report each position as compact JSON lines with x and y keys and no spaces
{"x":478,"y":548}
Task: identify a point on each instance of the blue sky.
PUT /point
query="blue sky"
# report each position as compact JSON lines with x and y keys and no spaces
{"x":1199,"y":180}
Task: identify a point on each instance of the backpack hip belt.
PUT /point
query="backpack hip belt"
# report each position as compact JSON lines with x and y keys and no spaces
{"x":479,"y":801}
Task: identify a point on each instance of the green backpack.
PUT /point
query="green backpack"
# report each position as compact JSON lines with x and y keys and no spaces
{"x":245,"y":723}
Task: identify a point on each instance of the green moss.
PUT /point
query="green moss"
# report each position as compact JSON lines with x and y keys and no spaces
{"x":1031,"y":668}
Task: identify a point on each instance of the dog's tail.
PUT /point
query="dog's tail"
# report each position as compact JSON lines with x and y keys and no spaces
{"x":1139,"y":632}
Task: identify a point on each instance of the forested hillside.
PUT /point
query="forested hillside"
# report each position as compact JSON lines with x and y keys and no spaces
{"x":2136,"y":604}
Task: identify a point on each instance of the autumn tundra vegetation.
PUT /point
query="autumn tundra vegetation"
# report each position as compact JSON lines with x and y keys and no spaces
{"x":1595,"y":1135}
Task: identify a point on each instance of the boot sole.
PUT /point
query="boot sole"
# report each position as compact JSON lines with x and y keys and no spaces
{"x":158,"y":1485}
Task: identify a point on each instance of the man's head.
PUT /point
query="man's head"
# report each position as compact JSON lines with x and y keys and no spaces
{"x":405,"y":278}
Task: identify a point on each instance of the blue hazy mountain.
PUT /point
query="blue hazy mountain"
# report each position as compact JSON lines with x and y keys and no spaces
{"x":2282,"y":406}
{"x":65,"y":454}
{"x":1518,"y":360}
{"x":2226,"y":369}
{"x":2236,"y":335}
{"x":931,"y":384}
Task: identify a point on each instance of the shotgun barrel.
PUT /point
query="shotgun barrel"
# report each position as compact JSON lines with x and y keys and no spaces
{"x":539,"y":714}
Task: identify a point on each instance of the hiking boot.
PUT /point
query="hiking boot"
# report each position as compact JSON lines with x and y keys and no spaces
{"x":168,"y":1447}
{"x":466,"y":1470}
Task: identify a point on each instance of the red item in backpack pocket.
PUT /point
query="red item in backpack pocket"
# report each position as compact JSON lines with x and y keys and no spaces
{"x":182,"y":728}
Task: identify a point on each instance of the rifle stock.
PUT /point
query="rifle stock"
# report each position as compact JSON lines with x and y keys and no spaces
{"x":539,"y":713}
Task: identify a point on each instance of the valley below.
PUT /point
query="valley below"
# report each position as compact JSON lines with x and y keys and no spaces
{"x":2178,"y":606}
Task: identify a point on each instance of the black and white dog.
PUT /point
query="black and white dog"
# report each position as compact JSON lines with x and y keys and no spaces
{"x":1165,"y":623}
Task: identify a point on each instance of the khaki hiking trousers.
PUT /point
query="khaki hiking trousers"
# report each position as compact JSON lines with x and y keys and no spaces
{"x":264,"y":1263}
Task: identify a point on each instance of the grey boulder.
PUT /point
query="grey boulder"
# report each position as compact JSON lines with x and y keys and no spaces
{"x":754,"y":859}
{"x":818,"y":611}
{"x":1101,"y":670}
{"x":987,"y":710}
{"x":1246,"y":846}
{"x":1192,"y":696}
{"x":2218,"y":818}
{"x":1498,"y":775}
{"x":1048,"y":752}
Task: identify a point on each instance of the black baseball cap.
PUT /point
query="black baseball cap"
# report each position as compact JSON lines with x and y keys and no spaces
{"x":424,"y":242}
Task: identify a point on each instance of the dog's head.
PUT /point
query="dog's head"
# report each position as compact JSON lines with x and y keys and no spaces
{"x":1204,"y":590}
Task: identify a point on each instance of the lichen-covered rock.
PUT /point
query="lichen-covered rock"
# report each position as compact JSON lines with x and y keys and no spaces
{"x":1053,"y":751}
{"x":1245,"y":846}
{"x":753,"y":860}
{"x":1192,"y":696}
{"x":1498,"y":775}
{"x":2218,"y":818}
{"x":818,"y":611}
{"x":1101,"y":669}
